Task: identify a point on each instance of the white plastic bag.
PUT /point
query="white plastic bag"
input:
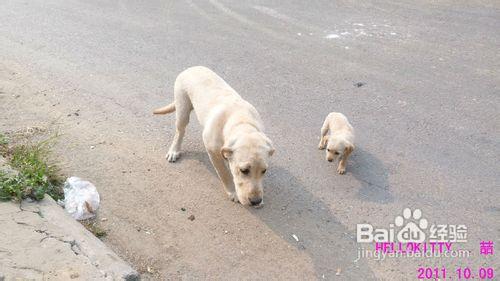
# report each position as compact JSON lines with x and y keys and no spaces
{"x":81,"y":199}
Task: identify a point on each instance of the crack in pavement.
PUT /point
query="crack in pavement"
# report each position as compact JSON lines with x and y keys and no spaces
{"x":23,"y":223}
{"x":39,"y":212}
{"x":28,"y":268}
{"x":73,"y":244}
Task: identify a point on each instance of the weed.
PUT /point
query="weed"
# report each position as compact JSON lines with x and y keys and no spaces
{"x":35,"y":177}
{"x":3,"y":140}
{"x":91,"y":225}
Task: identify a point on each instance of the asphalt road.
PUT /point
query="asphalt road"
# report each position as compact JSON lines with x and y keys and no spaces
{"x":419,"y":81}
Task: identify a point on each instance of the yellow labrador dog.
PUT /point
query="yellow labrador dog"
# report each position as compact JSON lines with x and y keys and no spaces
{"x":337,"y":136}
{"x":232,"y":132}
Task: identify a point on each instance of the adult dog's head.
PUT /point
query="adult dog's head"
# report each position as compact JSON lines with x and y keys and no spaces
{"x":338,"y":146}
{"x":248,"y":157}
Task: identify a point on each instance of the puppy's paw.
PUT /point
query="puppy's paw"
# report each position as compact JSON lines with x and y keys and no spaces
{"x":172,"y":156}
{"x":341,"y":170}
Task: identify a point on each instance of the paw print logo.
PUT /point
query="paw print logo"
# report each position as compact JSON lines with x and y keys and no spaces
{"x":413,"y":225}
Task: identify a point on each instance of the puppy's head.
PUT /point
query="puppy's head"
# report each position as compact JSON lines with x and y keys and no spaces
{"x":337,"y":147}
{"x":248,"y":157}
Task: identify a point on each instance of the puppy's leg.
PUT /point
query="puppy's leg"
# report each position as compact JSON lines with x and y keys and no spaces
{"x":322,"y":143}
{"x":182,"y":110}
{"x":223,"y":173}
{"x":323,"y":137}
{"x":343,"y":161}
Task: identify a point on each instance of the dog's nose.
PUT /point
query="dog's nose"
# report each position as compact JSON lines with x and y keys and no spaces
{"x":255,"y":201}
{"x":330,"y":160}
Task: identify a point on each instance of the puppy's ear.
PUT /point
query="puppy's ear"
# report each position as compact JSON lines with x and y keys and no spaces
{"x":325,"y":140}
{"x":348,"y":148}
{"x":226,"y":152}
{"x":271,"y":146}
{"x":271,"y":150}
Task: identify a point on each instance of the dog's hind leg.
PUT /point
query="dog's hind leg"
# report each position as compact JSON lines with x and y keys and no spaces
{"x":183,"y":109}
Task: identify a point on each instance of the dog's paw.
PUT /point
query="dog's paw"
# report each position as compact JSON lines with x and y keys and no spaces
{"x":341,"y":170}
{"x":172,"y":156}
{"x":321,"y":146}
{"x":233,"y":197}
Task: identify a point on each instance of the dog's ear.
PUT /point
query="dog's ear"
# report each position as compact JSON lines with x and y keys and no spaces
{"x":226,"y":152}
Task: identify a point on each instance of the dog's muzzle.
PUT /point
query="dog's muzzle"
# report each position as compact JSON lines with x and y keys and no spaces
{"x":255,"y":201}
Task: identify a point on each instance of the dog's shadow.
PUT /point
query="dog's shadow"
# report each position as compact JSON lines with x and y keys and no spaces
{"x":372,"y":175}
{"x":291,"y":211}
{"x":199,"y":156}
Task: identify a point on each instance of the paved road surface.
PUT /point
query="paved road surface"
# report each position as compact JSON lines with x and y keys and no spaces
{"x":426,"y":116}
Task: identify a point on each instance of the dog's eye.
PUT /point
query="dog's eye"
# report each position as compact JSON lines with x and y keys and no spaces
{"x":245,"y":171}
{"x":336,"y":153}
{"x":264,"y":171}
{"x":329,"y":150}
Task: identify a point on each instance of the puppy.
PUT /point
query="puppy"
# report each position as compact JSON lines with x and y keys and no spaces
{"x":337,"y":136}
{"x":232,"y":132}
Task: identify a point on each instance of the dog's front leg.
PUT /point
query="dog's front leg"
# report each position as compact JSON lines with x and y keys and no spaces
{"x":223,"y":173}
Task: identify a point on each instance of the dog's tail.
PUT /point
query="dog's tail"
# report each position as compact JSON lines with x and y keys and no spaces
{"x":166,"y":109}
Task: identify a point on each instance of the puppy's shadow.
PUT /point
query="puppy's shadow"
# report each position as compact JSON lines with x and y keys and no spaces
{"x":372,"y":175}
{"x":291,"y":209}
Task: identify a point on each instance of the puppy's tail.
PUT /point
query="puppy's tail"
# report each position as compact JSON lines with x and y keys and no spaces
{"x":166,"y":109}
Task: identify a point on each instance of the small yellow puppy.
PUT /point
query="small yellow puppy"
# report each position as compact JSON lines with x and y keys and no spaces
{"x":337,"y":136}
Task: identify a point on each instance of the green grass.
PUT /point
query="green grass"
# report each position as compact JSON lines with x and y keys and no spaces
{"x":36,"y":175}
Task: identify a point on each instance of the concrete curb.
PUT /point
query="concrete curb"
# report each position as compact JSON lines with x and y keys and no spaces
{"x":40,"y":240}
